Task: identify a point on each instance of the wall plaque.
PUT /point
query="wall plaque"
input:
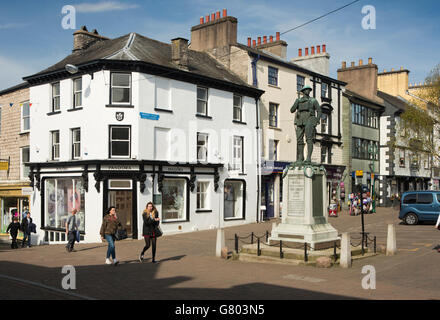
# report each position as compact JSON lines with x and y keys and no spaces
{"x":295,"y":193}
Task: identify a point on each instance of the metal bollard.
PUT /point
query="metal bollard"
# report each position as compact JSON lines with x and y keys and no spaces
{"x":258,"y":247}
{"x":306,"y":259}
{"x":334,"y":251}
{"x":267,"y":236}
{"x":236,"y":243}
{"x":281,"y":249}
{"x":363,"y":250}
{"x":252,"y":238}
{"x":375,"y":244}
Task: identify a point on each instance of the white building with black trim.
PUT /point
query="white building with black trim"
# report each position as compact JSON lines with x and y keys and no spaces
{"x":137,"y":120}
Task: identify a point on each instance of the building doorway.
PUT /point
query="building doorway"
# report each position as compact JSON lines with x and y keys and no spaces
{"x":121,"y":196}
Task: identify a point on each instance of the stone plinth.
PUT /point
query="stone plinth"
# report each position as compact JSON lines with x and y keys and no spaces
{"x":305,"y":213}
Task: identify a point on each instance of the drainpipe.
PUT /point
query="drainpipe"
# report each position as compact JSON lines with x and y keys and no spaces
{"x":254,"y":70}
{"x":258,"y":158}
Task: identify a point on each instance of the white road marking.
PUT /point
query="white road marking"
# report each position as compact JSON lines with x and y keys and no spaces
{"x":36,"y":284}
{"x":303,"y":278}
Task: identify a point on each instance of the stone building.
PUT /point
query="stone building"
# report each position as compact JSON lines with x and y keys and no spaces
{"x":263,"y":63}
{"x":15,"y":125}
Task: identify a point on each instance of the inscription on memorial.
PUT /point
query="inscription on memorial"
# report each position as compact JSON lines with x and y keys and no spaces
{"x":296,"y":196}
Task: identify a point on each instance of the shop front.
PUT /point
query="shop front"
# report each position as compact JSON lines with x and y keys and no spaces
{"x":272,"y":188}
{"x":14,"y":203}
{"x":335,"y":184}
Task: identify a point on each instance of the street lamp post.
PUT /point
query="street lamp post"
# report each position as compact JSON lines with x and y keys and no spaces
{"x":373,"y":151}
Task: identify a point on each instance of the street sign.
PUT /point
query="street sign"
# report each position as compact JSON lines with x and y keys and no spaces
{"x":4,"y":166}
{"x":359,"y":173}
{"x":149,"y":116}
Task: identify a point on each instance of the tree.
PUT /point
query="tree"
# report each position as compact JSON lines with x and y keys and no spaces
{"x":420,"y":123}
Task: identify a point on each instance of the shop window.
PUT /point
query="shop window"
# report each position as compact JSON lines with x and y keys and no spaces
{"x":62,"y":196}
{"x":234,"y":199}
{"x":174,"y":199}
{"x":203,"y":195}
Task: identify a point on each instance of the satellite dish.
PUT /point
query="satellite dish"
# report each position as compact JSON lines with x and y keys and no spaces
{"x":71,"y":68}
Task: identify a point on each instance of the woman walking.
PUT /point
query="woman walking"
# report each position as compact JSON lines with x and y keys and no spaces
{"x":109,"y":226}
{"x":150,"y":230}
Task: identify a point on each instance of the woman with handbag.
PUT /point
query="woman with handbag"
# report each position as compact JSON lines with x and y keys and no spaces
{"x":109,"y":227}
{"x":151,"y":230}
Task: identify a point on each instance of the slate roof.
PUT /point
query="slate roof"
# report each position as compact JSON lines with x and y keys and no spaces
{"x":135,"y":47}
{"x":396,"y":104}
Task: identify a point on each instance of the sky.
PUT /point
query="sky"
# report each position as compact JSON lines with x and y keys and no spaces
{"x":406,"y":33}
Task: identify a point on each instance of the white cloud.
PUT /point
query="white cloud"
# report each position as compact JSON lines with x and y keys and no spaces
{"x":104,"y":6}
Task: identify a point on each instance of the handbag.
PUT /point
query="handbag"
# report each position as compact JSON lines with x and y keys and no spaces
{"x":158,"y":232}
{"x":121,"y":234}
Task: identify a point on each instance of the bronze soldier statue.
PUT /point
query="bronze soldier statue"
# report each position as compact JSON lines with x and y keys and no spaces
{"x":306,"y":121}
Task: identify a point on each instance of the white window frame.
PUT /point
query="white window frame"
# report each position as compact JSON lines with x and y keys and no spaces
{"x":72,"y":133}
{"x":269,"y":77}
{"x":54,"y":145}
{"x":206,"y":193}
{"x":56,"y":97}
{"x":237,"y":107}
{"x":74,"y":106}
{"x":271,"y":124}
{"x":237,"y":162}
{"x":23,"y":130}
{"x":204,"y":101}
{"x":112,"y":86}
{"x":202,"y":137}
{"x":22,"y":166}
{"x":120,"y":188}
{"x":271,"y":154}
{"x":129,"y":143}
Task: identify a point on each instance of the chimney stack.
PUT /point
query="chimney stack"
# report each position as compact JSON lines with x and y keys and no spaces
{"x":82,"y":38}
{"x":179,"y":52}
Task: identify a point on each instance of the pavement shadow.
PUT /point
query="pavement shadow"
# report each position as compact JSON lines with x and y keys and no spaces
{"x":140,"y":282}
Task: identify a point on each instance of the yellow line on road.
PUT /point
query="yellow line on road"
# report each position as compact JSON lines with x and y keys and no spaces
{"x":412,"y":250}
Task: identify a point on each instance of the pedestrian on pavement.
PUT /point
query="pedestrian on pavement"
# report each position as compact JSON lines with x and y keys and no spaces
{"x":150,"y":230}
{"x":26,"y":228}
{"x":14,"y":226}
{"x":71,"y":229}
{"x":110,"y":224}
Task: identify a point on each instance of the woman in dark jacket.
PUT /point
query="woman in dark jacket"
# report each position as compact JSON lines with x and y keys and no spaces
{"x":110,"y":224}
{"x":150,"y":229}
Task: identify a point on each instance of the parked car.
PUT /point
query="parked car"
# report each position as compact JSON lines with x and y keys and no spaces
{"x":418,"y":206}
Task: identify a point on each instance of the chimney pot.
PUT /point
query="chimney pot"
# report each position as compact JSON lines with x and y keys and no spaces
{"x":361,"y":62}
{"x":84,"y":28}
{"x":207,"y":18}
{"x":324,"y":48}
{"x":384,"y":70}
{"x":344,"y":64}
{"x":202,"y":20}
{"x":225,"y":13}
{"x":352,"y":64}
{"x":318,"y":49}
{"x":217,"y":15}
{"x":264,"y":39}
{"x":392,"y":69}
{"x":212,"y":16}
{"x":300,"y":53}
{"x":313,"y":50}
{"x":370,"y":60}
{"x":249,"y":41}
{"x":254,"y":43}
{"x":271,"y":38}
{"x":278,"y":36}
{"x":307,"y":51}
{"x":259,"y":40}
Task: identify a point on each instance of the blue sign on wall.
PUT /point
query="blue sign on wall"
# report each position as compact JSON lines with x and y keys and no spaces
{"x":149,"y":116}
